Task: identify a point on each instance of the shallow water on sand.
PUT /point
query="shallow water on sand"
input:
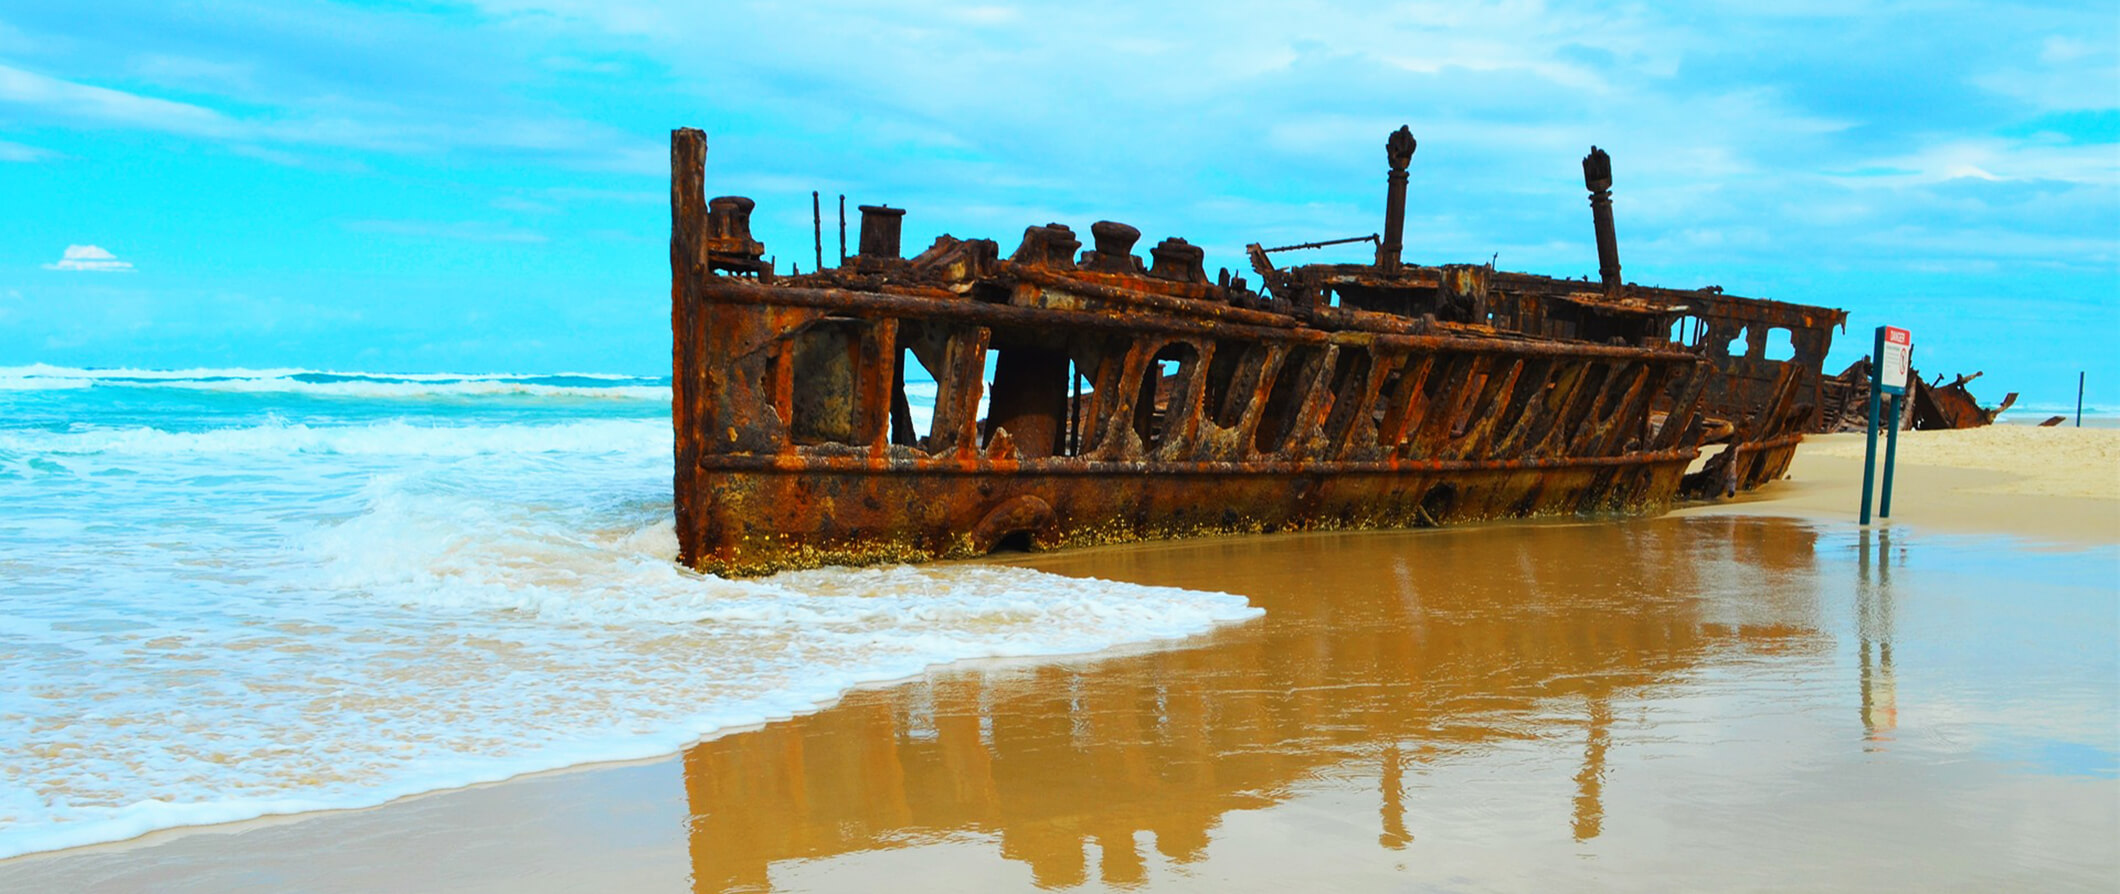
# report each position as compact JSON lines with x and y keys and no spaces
{"x":233,"y":593}
{"x":1700,"y":703}
{"x":1678,"y":704}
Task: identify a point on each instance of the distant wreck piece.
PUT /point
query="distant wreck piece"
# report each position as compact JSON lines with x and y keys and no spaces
{"x":1931,"y":405}
{"x":1084,"y":396}
{"x":1937,"y":405}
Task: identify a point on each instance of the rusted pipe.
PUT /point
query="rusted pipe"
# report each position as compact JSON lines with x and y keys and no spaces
{"x":1597,"y":177}
{"x":1323,"y":243}
{"x":858,"y":460}
{"x":1398,"y":150}
{"x":740,"y":291}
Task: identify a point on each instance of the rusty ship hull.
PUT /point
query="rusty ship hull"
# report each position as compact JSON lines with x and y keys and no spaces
{"x":1094,"y":398}
{"x":908,"y":515}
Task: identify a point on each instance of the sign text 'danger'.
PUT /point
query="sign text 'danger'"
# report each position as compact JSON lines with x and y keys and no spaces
{"x":1897,"y":356}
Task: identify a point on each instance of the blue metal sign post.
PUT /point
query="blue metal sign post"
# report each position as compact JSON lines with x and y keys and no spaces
{"x":1888,"y":375}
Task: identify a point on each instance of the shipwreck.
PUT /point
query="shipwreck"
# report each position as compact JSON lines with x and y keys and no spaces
{"x":1084,"y":396}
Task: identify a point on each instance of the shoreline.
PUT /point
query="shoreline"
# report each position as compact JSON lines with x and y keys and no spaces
{"x":984,"y":664}
{"x":1948,"y":482}
{"x":2054,"y":487}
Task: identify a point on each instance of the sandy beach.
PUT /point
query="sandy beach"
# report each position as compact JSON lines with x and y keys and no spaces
{"x":2054,"y":485}
{"x":1740,"y":696}
{"x":727,"y":448}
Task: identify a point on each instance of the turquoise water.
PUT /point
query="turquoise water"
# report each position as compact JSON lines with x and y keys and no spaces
{"x":227,"y":593}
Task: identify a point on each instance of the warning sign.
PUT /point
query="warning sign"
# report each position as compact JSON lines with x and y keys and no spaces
{"x":1897,"y":351}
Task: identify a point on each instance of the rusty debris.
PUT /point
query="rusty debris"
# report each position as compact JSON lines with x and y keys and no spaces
{"x":1937,"y":405}
{"x":1084,"y":396}
{"x":1930,"y":405}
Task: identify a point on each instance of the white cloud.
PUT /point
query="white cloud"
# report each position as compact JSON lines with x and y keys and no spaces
{"x":2057,"y":50}
{"x":2085,"y":84}
{"x":90,"y":258}
{"x":337,"y":121}
{"x":987,"y":15}
{"x":204,"y":73}
{"x":104,"y":105}
{"x":18,"y":152}
{"x":521,"y":205}
{"x":620,"y":196}
{"x":465,"y":230}
{"x":1992,"y":159}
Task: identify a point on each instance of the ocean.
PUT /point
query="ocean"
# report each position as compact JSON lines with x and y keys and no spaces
{"x":227,"y":593}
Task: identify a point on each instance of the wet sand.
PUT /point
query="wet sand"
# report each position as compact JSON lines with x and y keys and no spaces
{"x":1740,"y":697}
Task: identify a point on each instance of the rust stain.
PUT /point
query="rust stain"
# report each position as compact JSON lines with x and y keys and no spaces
{"x":1126,"y":400}
{"x":1929,"y":405}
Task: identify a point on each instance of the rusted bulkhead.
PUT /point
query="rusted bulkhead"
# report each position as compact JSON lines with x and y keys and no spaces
{"x":1081,"y":395}
{"x":1929,"y":405}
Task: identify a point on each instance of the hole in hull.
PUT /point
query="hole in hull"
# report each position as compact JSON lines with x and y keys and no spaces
{"x":1437,"y":503}
{"x":1012,"y":542}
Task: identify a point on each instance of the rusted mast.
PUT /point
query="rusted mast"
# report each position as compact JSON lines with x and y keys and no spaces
{"x":1597,"y":177}
{"x":688,"y":220}
{"x":1399,"y":150}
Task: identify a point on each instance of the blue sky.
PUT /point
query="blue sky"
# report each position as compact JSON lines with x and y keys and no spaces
{"x":482,"y":186}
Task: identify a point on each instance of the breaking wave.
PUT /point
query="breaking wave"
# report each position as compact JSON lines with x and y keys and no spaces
{"x":324,"y":383}
{"x":209,"y":612}
{"x":393,"y":437}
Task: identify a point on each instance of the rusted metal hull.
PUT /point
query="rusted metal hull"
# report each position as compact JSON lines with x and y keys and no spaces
{"x":766,"y":516}
{"x":1937,"y":405}
{"x":1741,"y":466}
{"x":1255,"y":429}
{"x":1929,"y":405}
{"x":1100,"y":399}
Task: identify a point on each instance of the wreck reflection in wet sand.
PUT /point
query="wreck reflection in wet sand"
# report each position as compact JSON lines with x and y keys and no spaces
{"x":1669,"y":704}
{"x":1696,"y":703}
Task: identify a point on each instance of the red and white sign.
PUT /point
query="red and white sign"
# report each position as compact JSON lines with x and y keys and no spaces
{"x":1898,"y":353}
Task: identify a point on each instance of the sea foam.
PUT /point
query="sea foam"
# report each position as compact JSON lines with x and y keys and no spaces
{"x":392,"y":437}
{"x":209,"y":619}
{"x":327,"y":383}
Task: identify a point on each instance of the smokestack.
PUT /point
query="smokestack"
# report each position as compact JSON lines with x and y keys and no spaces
{"x":1399,"y":150}
{"x":879,"y":231}
{"x":1597,"y":177}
